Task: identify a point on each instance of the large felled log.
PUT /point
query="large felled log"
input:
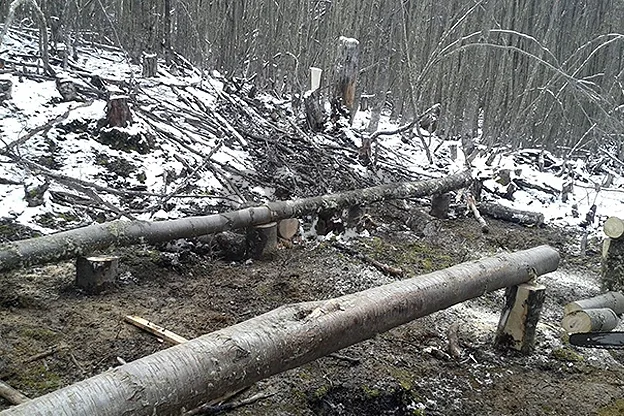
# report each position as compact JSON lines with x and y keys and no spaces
{"x":590,"y":320}
{"x":238,"y":356}
{"x":82,"y":241}
{"x":510,"y":214}
{"x":611,"y":300}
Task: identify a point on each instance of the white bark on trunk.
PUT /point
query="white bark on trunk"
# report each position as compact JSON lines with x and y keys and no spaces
{"x":83,"y":241}
{"x":238,"y":356}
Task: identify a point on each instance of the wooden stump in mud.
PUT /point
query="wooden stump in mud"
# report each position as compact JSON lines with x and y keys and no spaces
{"x":94,"y":274}
{"x":314,"y":111}
{"x":440,"y":206}
{"x":150,"y":65}
{"x":516,"y":328}
{"x":118,"y":112}
{"x":6,"y":87}
{"x":67,"y":88}
{"x":262,"y":240}
{"x":613,"y":255}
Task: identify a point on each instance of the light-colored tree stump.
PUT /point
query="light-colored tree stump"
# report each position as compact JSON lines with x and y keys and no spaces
{"x":590,"y":320}
{"x":518,"y":323}
{"x":94,"y":274}
{"x":150,"y":65}
{"x":611,"y":300}
{"x":262,"y":240}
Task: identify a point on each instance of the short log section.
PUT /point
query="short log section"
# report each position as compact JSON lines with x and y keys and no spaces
{"x":518,"y":323}
{"x":590,"y":320}
{"x":262,"y":240}
{"x":95,"y":274}
{"x":613,"y":255}
{"x":611,"y":300}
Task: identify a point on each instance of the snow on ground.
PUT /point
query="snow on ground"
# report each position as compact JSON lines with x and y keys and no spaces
{"x":183,"y":142}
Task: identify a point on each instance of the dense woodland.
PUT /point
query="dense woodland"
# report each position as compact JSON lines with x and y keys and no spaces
{"x":531,"y":73}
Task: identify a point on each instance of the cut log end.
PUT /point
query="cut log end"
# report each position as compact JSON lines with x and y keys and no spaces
{"x":614,"y":228}
{"x":611,"y":300}
{"x":288,"y":228}
{"x":590,"y":320}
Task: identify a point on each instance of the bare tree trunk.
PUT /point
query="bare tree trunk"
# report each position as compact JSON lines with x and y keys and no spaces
{"x":236,"y":357}
{"x":79,"y":242}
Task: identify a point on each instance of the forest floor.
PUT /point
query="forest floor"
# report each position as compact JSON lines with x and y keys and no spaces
{"x":405,"y":371}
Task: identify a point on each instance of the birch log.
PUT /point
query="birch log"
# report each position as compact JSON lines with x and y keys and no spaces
{"x":590,"y":320}
{"x":611,"y":300}
{"x":235,"y":357}
{"x":82,"y":241}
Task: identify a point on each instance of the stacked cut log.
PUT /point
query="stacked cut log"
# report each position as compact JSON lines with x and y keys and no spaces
{"x":597,"y":314}
{"x":613,"y":255}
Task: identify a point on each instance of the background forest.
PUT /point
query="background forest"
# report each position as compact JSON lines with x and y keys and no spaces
{"x":548,"y":74}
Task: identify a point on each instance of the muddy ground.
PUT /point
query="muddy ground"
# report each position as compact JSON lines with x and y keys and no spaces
{"x":402,"y":372}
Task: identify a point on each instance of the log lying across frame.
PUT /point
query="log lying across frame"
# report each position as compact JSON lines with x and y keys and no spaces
{"x":212,"y":365}
{"x":83,"y":241}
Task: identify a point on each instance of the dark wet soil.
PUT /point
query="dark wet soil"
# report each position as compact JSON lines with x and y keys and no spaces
{"x":405,"y":371}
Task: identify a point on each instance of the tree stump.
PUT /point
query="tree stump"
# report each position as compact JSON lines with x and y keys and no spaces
{"x":613,"y":256}
{"x":440,"y":206}
{"x":262,"y":240}
{"x":67,"y":88}
{"x":150,"y":65}
{"x":516,"y":328}
{"x":315,"y":115}
{"x":118,"y":111}
{"x":6,"y":88}
{"x":94,"y":274}
{"x":346,"y":67}
{"x":590,"y":320}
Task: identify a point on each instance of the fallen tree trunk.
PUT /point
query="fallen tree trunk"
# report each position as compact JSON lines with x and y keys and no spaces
{"x":83,"y":241}
{"x":611,"y":300}
{"x":227,"y":360}
{"x":511,"y":214}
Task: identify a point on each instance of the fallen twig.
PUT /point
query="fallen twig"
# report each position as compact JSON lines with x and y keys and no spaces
{"x":209,"y":409}
{"x":382,"y":267}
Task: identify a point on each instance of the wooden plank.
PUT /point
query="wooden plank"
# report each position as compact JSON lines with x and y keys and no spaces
{"x":154,"y":329}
